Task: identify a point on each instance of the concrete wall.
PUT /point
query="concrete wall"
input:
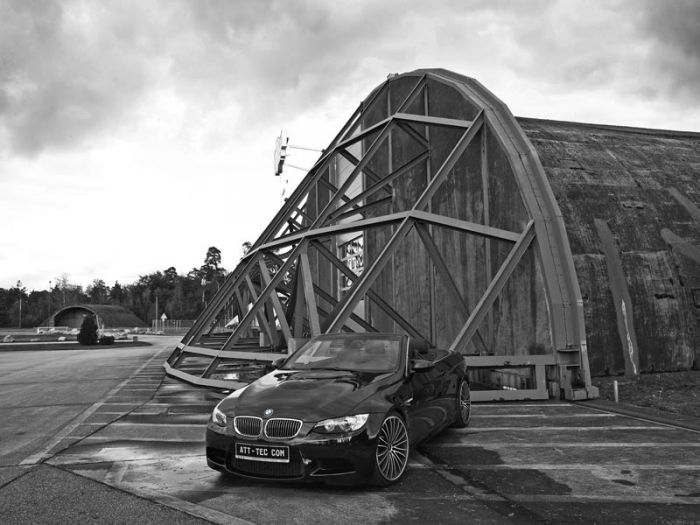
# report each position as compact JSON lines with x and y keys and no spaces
{"x":639,"y":183}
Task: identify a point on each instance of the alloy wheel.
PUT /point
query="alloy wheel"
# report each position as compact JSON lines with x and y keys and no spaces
{"x":392,"y":448}
{"x":465,"y":402}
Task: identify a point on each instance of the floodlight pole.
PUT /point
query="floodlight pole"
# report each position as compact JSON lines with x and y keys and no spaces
{"x":19,"y":287}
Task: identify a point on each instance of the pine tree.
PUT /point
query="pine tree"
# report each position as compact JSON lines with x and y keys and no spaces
{"x":88,"y":331}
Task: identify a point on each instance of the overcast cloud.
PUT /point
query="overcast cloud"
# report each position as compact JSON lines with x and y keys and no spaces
{"x":156,"y":119}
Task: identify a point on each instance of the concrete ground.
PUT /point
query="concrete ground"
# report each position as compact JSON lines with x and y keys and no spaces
{"x":97,"y":437}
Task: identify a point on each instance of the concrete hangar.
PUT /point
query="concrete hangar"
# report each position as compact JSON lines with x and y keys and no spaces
{"x":545,"y":252}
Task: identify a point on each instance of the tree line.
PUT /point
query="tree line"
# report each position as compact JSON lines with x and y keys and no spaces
{"x":178,"y":296}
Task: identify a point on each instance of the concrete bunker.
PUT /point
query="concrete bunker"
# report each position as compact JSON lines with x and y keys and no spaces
{"x":107,"y":316}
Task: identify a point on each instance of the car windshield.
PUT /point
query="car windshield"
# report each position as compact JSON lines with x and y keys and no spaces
{"x":352,"y":353}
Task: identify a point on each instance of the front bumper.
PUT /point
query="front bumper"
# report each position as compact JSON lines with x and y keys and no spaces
{"x":314,"y":457}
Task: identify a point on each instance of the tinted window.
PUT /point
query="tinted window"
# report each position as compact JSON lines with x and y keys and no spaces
{"x":359,"y":353}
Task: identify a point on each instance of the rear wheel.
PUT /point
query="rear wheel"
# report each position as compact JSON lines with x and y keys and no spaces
{"x":391,"y":456}
{"x":464,"y":405}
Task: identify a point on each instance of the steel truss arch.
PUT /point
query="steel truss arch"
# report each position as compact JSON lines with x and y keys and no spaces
{"x":430,"y":182}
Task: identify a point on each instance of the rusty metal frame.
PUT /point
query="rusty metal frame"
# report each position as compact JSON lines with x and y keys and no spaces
{"x":307,"y":228}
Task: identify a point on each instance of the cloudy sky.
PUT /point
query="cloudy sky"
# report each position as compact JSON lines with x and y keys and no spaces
{"x":136,"y":134}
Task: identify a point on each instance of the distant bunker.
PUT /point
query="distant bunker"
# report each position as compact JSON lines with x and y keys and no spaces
{"x":565,"y":248}
{"x":107,"y":316}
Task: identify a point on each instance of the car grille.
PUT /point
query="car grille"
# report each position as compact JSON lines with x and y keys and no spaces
{"x":248,"y":425}
{"x":282,"y":428}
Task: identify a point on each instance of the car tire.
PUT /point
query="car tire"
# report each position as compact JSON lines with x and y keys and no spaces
{"x":464,"y":404}
{"x":391,"y":454}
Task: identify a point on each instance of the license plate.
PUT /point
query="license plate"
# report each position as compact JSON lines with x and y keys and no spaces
{"x":262,"y":453}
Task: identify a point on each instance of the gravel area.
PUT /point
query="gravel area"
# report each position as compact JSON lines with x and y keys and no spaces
{"x":676,"y":392}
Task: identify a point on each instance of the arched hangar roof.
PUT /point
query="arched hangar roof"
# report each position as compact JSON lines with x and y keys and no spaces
{"x":110,"y":316}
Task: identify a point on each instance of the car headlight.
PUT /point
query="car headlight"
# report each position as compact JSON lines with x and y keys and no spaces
{"x":341,"y":424}
{"x":218,"y":417}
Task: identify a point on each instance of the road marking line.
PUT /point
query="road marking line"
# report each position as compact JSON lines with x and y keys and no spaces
{"x":573,"y":466}
{"x":159,"y":439}
{"x":616,"y":498}
{"x":510,"y":445}
{"x":559,"y":429}
{"x":156,"y":425}
{"x":66,"y":431}
{"x":501,"y":405}
{"x":547,"y":416}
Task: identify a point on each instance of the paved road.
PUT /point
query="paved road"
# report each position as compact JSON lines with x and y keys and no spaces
{"x":517,"y":463}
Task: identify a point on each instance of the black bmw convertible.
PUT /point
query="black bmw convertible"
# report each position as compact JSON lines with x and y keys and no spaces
{"x":343,"y":408}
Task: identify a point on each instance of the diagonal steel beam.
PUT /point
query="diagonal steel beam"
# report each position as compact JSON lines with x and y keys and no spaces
{"x":276,"y":304}
{"x":262,"y":320}
{"x":333,"y":301}
{"x":360,"y":287}
{"x":371,"y":175}
{"x":410,"y":130}
{"x":308,"y":284}
{"x":407,"y":166}
{"x":362,"y":210}
{"x":374,"y":128}
{"x":441,"y":175}
{"x":413,"y":94}
{"x":247,"y":318}
{"x":378,"y":141}
{"x":495,"y":288}
{"x":444,"y":272}
{"x":337,"y":229}
{"x":212,"y":310}
{"x":374,"y":296}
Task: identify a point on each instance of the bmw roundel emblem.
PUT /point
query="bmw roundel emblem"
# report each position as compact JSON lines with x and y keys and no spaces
{"x":268,"y":412}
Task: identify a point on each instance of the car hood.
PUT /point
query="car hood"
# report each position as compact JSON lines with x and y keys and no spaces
{"x":310,"y":395}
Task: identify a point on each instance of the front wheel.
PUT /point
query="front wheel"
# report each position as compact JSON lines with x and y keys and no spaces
{"x":464,"y":405}
{"x":391,"y":456}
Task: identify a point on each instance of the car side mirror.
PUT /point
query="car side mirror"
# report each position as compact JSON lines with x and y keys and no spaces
{"x":275,"y":364}
{"x":421,"y":365}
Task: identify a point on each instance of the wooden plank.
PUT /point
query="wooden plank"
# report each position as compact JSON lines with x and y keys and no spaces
{"x":495,"y":287}
{"x":450,"y":284}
